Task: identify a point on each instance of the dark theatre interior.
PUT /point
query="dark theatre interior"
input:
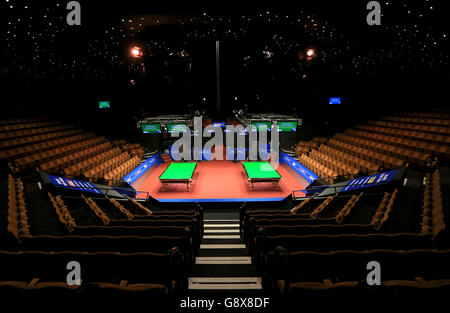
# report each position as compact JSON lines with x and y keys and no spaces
{"x":347,"y":198}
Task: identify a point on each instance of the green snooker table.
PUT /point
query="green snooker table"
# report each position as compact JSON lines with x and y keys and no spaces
{"x":261,"y":172}
{"x":178,"y":173}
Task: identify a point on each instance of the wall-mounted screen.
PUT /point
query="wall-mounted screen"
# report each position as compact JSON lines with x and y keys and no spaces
{"x":104,"y":105}
{"x":335,"y":100}
{"x":175,"y":127}
{"x":260,"y":125}
{"x":287,"y":126}
{"x":151,"y":128}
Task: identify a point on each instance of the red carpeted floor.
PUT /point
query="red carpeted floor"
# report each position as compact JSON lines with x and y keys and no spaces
{"x":218,"y":180}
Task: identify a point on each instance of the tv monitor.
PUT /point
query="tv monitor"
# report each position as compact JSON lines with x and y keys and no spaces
{"x":151,"y":128}
{"x":259,"y":125}
{"x":104,"y":105}
{"x":176,"y":127}
{"x":287,"y":126}
{"x":335,"y":100}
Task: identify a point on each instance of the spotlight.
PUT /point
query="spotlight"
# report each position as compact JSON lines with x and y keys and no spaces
{"x":136,"y":52}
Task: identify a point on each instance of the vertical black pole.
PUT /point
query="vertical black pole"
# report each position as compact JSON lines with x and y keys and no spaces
{"x":218,"y":75}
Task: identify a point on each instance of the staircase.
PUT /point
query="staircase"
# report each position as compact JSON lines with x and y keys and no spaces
{"x":223,"y":262}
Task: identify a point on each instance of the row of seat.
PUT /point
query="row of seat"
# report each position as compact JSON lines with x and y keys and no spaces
{"x":32,"y":131}
{"x":387,"y":143}
{"x":306,"y":213}
{"x":387,"y":211}
{"x":26,"y":120}
{"x":119,"y":142}
{"x":408,"y":134}
{"x":299,"y":150}
{"x":17,"y":212}
{"x":349,"y":159}
{"x":320,"y":139}
{"x":380,"y":212}
{"x":137,"y":151}
{"x":283,"y":222}
{"x":155,"y":233}
{"x":322,"y":206}
{"x":413,"y":145}
{"x":341,"y":156}
{"x":319,"y":211}
{"x":119,"y":172}
{"x":40,"y":269}
{"x":412,"y":126}
{"x":299,"y":206}
{"x":266,"y":245}
{"x":62,"y":212}
{"x":439,"y":115}
{"x":46,"y":156}
{"x":406,"y":292}
{"x":121,"y":221}
{"x":141,"y":207}
{"x":319,"y":169}
{"x":156,"y":293}
{"x":306,"y":146}
{"x":67,"y":160}
{"x":122,"y":244}
{"x":79,"y":168}
{"x":107,"y":165}
{"x":418,"y":120}
{"x":347,"y":208}
{"x":132,"y":148}
{"x":415,"y":157}
{"x":110,"y":207}
{"x":174,"y":227}
{"x":43,"y":146}
{"x":342,"y":168}
{"x":123,"y":210}
{"x":365,"y":153}
{"x":97,"y":211}
{"x":6,"y":144}
{"x":159,"y":223}
{"x":290,"y":268}
{"x":433,"y":209}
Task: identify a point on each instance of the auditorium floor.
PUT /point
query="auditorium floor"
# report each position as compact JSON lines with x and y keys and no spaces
{"x":219,"y":181}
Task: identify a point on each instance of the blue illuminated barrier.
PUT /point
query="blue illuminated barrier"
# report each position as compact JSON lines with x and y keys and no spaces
{"x":299,"y":168}
{"x":354,"y":184}
{"x":73,"y":184}
{"x":370,"y":181}
{"x":135,"y":174}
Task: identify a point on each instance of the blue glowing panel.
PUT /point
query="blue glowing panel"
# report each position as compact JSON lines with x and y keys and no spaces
{"x":335,"y":100}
